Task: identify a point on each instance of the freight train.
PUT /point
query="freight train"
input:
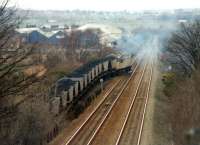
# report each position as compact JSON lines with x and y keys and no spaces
{"x":75,"y":85}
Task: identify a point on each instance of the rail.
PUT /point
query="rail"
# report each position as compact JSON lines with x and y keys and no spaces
{"x":131,"y":108}
{"x":99,"y":105}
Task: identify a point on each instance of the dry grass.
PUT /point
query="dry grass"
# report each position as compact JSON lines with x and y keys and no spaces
{"x":161,"y":127}
{"x":177,"y":109}
{"x":40,"y":70}
{"x":184,"y":111}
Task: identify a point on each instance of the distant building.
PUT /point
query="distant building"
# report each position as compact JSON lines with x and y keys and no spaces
{"x":66,"y":27}
{"x":74,"y":26}
{"x":31,"y":35}
{"x":82,"y":37}
{"x":45,"y":28}
{"x":31,"y":26}
{"x":54,"y":27}
{"x":51,"y":21}
{"x":36,"y":35}
{"x":56,"y":38}
{"x":90,"y":39}
{"x":182,"y":21}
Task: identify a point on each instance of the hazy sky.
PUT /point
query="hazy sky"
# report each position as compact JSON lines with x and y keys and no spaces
{"x":107,"y":5}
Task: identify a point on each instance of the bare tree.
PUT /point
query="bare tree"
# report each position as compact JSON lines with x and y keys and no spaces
{"x":35,"y":121}
{"x":32,"y":123}
{"x":14,"y":60}
{"x":13,"y":55}
{"x":183,"y":92}
{"x":185,"y":46}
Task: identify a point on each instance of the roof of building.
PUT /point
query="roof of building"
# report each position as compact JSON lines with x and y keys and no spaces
{"x":27,"y":30}
{"x":30,"y":30}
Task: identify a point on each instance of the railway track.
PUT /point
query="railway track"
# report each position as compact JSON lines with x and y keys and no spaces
{"x":111,"y":129}
{"x":131,"y":131}
{"x":90,"y":127}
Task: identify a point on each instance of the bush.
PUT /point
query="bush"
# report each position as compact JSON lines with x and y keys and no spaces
{"x":168,"y":78}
